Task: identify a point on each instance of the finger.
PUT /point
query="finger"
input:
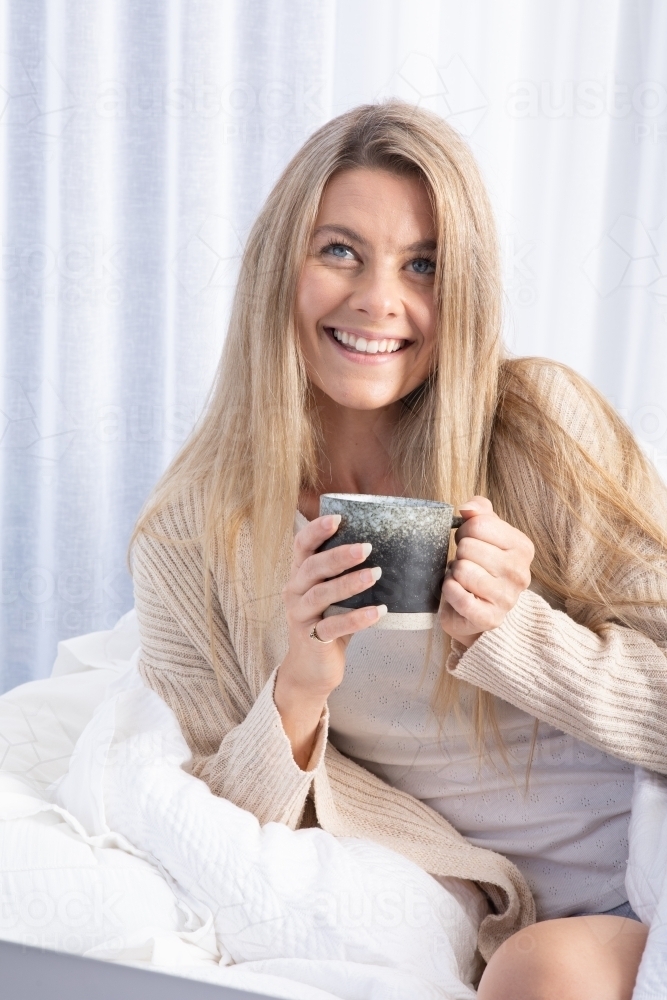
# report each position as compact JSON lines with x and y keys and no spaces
{"x":477,"y":614}
{"x":451,"y":621}
{"x":495,"y":590}
{"x":324,"y":565}
{"x":316,"y":600}
{"x":489,"y":556}
{"x":477,"y":505}
{"x":490,"y":528}
{"x":311,"y":536}
{"x":337,"y":626}
{"x":501,"y":563}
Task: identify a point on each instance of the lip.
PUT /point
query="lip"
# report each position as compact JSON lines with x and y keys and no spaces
{"x":361,"y":357}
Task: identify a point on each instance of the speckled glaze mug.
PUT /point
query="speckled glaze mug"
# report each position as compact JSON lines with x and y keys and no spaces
{"x":410,"y":540}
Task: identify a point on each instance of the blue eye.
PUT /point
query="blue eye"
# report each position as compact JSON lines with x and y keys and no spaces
{"x":423,"y":266}
{"x":340,"y":250}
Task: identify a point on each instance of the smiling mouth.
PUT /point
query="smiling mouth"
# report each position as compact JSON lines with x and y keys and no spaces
{"x":364,"y":345}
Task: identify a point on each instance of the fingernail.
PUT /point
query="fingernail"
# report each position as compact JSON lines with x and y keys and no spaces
{"x":331,"y":522}
{"x":381,"y":610}
{"x":369,"y":576}
{"x":362,"y":549}
{"x":471,"y":505}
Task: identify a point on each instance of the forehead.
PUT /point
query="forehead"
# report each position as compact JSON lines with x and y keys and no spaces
{"x":379,"y":205}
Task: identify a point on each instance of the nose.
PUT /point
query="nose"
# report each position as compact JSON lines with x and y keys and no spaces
{"x":377,"y":293}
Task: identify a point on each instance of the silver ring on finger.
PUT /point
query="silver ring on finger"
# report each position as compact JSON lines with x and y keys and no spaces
{"x":313,"y":635}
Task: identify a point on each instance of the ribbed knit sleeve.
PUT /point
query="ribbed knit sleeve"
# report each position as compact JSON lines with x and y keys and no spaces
{"x":239,"y":745}
{"x":605,"y":685}
{"x":609,"y":690}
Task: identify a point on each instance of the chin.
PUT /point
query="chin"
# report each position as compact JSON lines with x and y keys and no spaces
{"x":362,"y":401}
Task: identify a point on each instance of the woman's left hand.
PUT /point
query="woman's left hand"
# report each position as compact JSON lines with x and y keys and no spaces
{"x":490,"y":571}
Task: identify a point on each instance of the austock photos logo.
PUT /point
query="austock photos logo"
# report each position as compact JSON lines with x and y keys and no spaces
{"x":36,"y":423}
{"x":631,"y":254}
{"x":448,"y":89}
{"x":603,"y":98}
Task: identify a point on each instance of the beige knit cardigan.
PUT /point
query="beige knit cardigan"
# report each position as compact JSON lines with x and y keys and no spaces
{"x":609,"y":690}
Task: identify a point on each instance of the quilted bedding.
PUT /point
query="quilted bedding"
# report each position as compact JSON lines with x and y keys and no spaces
{"x":111,"y":849}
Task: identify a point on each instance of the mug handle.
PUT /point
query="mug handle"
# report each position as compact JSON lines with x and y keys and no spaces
{"x":456,"y":522}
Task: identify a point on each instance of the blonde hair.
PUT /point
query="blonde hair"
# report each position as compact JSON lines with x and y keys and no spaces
{"x":256,"y":446}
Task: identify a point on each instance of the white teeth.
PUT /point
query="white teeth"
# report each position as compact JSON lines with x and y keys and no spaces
{"x":364,"y":346}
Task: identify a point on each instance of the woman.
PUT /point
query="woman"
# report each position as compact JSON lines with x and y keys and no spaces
{"x":364,"y":355}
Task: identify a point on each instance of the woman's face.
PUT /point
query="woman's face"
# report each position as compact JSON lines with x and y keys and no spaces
{"x":365,"y":312}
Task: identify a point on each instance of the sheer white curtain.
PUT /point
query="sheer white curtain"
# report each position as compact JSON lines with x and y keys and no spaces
{"x":138,"y":139}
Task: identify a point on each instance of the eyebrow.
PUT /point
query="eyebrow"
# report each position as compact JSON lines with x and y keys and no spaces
{"x":421,"y":246}
{"x":343,"y":230}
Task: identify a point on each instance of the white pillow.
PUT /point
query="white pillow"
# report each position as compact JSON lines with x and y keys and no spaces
{"x":41,"y":721}
{"x":59,"y":888}
{"x":59,"y":892}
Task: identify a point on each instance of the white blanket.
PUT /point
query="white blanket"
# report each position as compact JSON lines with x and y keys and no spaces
{"x":112,"y":850}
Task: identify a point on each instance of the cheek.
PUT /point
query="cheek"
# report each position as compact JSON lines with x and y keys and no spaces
{"x":320,"y":290}
{"x":426,"y":318}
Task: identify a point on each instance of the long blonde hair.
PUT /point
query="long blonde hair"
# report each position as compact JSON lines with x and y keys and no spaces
{"x":256,"y":446}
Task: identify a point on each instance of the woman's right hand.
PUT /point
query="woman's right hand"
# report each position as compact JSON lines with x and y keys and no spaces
{"x":311,"y":670}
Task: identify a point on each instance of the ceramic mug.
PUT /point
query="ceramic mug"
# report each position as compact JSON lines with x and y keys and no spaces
{"x":410,"y":540}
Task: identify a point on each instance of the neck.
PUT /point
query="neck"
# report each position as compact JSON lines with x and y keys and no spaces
{"x":356,"y":452}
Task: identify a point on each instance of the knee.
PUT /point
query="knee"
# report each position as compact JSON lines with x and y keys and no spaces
{"x":576,"y":958}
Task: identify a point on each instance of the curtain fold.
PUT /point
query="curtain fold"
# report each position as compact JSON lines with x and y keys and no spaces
{"x":138,"y":140}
